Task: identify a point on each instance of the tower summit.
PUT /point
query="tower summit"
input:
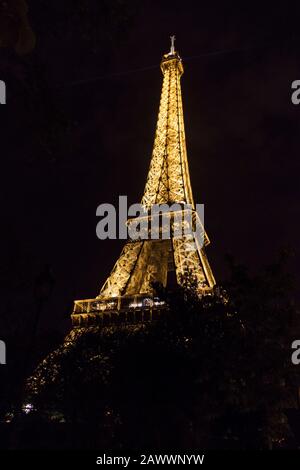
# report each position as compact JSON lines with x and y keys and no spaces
{"x":128,"y":294}
{"x":172,"y":50}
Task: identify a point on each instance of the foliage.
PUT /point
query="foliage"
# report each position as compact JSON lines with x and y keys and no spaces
{"x":15,"y":30}
{"x":212,"y":372}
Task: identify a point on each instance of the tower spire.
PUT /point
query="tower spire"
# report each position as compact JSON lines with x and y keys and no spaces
{"x":172,"y":50}
{"x":168,"y":179}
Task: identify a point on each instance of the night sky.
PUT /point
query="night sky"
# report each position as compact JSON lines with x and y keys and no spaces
{"x":79,"y":124}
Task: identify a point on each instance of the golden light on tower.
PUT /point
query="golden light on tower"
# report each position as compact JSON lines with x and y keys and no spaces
{"x":129,"y":287}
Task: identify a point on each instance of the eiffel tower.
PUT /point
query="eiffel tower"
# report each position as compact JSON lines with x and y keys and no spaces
{"x":127,"y":294}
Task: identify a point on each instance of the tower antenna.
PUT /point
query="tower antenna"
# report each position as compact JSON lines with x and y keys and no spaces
{"x":172,"y":50}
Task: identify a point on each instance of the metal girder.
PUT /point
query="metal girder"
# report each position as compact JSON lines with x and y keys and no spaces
{"x":143,"y":261}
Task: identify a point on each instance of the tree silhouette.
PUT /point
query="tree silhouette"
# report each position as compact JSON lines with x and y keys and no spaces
{"x":213,"y":372}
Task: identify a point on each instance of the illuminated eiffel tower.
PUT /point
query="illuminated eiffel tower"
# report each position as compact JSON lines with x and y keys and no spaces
{"x":127,"y":294}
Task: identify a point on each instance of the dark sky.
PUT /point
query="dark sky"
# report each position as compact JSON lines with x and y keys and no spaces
{"x":70,"y":143}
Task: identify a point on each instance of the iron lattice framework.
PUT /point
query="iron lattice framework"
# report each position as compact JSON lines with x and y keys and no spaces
{"x":128,"y":291}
